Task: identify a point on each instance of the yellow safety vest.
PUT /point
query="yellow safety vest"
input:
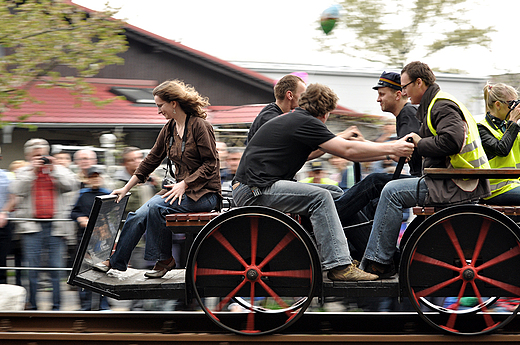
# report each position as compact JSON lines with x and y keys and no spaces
{"x":324,"y":180}
{"x":511,"y":161}
{"x":472,"y":155}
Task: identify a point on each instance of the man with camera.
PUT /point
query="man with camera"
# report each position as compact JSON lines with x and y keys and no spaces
{"x":39,"y":188}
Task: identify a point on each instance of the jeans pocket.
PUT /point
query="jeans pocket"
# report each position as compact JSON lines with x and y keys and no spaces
{"x":242,"y":194}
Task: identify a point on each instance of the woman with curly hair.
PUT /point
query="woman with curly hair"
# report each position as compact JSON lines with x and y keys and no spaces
{"x":188,"y":141}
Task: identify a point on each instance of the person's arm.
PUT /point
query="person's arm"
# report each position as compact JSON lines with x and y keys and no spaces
{"x":121,"y":192}
{"x":451,"y":131}
{"x":8,"y":207}
{"x":495,"y":147}
{"x":351,"y":133}
{"x":366,"y":151}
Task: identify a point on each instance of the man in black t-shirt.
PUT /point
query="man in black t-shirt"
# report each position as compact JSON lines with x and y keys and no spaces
{"x":287,"y":92}
{"x":281,"y":147}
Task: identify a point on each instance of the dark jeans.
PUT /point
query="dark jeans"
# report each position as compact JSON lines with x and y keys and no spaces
{"x":360,"y":196}
{"x":5,"y":248}
{"x":357,"y":206}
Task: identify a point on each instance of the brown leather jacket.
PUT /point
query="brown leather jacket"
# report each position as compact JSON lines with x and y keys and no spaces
{"x":198,"y":166}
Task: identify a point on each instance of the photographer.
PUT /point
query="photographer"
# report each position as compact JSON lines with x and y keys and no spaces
{"x":499,"y":134}
{"x":188,"y":141}
{"x":40,"y":189}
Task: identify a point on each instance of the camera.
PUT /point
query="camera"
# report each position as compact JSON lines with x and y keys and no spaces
{"x":45,"y":160}
{"x":167,"y":181}
{"x":513,"y":104}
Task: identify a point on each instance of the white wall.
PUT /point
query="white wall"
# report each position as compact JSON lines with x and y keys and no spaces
{"x":354,"y":88}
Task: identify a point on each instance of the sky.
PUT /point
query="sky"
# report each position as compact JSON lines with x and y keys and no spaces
{"x":284,"y":31}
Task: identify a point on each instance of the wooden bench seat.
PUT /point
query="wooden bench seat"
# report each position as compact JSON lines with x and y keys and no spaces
{"x":443,"y":173}
{"x":189,"y":222}
{"x":429,"y":210}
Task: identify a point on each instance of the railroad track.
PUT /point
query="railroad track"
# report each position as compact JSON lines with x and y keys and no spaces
{"x":79,"y":328}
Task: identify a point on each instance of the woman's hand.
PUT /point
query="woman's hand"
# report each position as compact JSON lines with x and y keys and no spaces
{"x":514,"y":115}
{"x":82,"y":221}
{"x":121,"y":192}
{"x":175,"y":193}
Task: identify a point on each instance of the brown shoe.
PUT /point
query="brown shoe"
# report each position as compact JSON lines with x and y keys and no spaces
{"x":351,"y":274}
{"x":381,"y":270}
{"x":161,"y":268}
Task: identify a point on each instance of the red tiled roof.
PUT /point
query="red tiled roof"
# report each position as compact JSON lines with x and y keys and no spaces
{"x":61,"y":107}
{"x":222,"y":115}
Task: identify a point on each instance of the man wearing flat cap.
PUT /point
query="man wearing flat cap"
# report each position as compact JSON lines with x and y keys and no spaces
{"x":391,"y":100}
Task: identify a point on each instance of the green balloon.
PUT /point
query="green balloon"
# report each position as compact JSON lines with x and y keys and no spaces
{"x":327,"y":25}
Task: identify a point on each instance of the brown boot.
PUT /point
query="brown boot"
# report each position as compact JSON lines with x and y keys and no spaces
{"x":351,"y":273}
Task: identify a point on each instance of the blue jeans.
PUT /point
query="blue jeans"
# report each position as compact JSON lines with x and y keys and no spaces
{"x":312,"y":200}
{"x":396,"y":196}
{"x":33,"y":246}
{"x":151,"y":217}
{"x":511,"y":197}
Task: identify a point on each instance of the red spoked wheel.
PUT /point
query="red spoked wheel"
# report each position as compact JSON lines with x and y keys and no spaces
{"x":461,"y":269}
{"x":253,"y":270}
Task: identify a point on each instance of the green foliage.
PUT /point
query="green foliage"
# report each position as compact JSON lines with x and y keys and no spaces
{"x":40,"y":36}
{"x":389,"y":30}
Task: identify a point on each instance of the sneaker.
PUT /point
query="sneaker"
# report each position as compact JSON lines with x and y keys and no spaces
{"x":381,"y":270}
{"x":351,"y":273}
{"x":103,"y":266}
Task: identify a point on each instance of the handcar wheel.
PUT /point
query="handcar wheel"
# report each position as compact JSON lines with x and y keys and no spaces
{"x":253,"y":270}
{"x":460,"y":268}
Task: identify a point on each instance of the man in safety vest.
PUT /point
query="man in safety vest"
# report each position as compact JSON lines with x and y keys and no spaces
{"x":448,"y":138}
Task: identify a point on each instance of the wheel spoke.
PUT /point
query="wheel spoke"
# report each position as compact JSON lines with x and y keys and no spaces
{"x":454,"y":240}
{"x":430,"y":290}
{"x":217,"y":272}
{"x":232,"y":294}
{"x":273,"y":294}
{"x":502,"y":257}
{"x":277,"y":249}
{"x":225,"y":243}
{"x":435,"y":262}
{"x":254,"y":239}
{"x":289,"y":274}
{"x":453,"y":316}
{"x":505,"y":286}
{"x":251,"y":315}
{"x":480,"y":241}
{"x":487,"y":317}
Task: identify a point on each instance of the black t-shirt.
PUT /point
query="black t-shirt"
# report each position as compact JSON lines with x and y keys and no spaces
{"x":269,"y":112}
{"x":407,"y":122}
{"x":280,"y":148}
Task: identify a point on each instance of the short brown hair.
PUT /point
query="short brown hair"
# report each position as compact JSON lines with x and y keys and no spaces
{"x":127,"y":150}
{"x":417,"y":69}
{"x":286,"y":83}
{"x":318,"y":99}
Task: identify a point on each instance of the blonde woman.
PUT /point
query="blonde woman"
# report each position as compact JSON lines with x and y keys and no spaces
{"x":499,"y":134}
